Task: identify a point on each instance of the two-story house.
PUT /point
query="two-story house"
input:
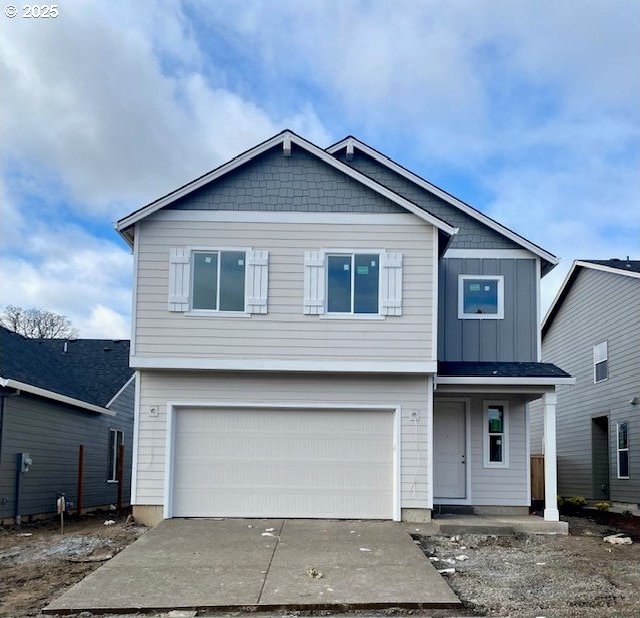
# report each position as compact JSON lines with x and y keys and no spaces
{"x":324,"y":334}
{"x":592,"y":329}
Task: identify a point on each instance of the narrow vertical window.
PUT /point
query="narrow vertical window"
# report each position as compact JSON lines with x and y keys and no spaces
{"x":116,"y":439}
{"x":495,"y":434}
{"x":601,"y":362}
{"x":623,"y":450}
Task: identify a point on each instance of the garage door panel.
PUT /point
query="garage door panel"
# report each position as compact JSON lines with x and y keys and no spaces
{"x":283,"y":463}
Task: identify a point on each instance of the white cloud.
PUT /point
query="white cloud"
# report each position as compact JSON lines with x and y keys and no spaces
{"x":116,"y":102}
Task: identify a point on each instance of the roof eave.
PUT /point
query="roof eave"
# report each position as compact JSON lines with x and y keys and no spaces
{"x":124,"y":225}
{"x":551,"y":259}
{"x":41,"y":392}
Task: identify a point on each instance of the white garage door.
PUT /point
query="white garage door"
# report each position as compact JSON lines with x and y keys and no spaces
{"x":283,"y":463}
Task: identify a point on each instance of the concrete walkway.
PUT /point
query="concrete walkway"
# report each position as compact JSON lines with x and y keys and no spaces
{"x":505,"y":525}
{"x":262,"y":564}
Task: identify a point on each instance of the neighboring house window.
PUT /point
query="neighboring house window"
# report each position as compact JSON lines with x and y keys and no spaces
{"x":623,"y":450}
{"x":353,"y":282}
{"x":219,"y":280}
{"x":116,"y":439}
{"x":496,"y":432}
{"x":481,"y":297}
{"x":600,"y":362}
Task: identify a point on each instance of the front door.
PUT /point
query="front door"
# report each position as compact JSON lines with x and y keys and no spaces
{"x":449,"y":450}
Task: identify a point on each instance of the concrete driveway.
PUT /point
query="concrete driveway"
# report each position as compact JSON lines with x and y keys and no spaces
{"x":262,"y":564}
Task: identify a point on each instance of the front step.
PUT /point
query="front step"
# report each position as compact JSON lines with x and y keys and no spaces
{"x":452,"y":509}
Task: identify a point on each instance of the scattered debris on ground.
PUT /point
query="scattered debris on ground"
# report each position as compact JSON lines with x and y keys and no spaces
{"x":618,"y":539}
{"x":569,"y":576}
{"x":37,"y":563}
{"x":313,"y":573}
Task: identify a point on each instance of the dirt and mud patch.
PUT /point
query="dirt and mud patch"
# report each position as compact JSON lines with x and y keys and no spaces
{"x":37,"y":563}
{"x":568,"y":576}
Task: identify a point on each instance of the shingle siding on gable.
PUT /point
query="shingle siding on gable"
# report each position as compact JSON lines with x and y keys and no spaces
{"x":599,"y":307}
{"x":472,"y":234}
{"x":300,"y":182}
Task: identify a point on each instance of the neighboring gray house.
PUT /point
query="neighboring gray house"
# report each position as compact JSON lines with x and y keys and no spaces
{"x":323,"y":333}
{"x":56,"y":395}
{"x":592,"y":329}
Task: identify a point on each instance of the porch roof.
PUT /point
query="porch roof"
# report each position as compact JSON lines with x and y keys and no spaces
{"x":461,"y":369}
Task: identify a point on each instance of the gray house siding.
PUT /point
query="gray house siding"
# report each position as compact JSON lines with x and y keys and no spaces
{"x":599,"y":306}
{"x":513,"y":338}
{"x":51,"y":433}
{"x":472,"y":234}
{"x":300,"y":182}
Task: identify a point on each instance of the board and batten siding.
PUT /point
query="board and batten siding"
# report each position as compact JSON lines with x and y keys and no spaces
{"x":51,"y":432}
{"x":511,"y":339}
{"x":599,"y":307}
{"x":157,"y":387}
{"x":496,"y":486}
{"x":285,"y":332}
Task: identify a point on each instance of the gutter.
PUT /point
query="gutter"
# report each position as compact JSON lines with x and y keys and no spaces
{"x":41,"y":392}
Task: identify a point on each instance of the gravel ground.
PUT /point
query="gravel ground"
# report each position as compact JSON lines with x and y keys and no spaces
{"x":37,"y":563}
{"x":576,"y":575}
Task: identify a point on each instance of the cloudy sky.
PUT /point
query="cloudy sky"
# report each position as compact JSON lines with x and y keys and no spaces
{"x":528,"y":110}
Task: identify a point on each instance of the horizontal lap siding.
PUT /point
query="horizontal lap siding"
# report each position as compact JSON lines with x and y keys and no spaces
{"x":160,"y":387}
{"x":498,"y":486}
{"x":599,"y":306}
{"x":285,"y":333}
{"x":51,"y":433}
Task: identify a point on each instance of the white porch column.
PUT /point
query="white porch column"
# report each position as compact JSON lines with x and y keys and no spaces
{"x":550,"y":458}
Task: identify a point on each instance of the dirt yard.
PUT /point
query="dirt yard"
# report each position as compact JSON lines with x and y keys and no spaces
{"x":37,"y":563}
{"x":576,"y":575}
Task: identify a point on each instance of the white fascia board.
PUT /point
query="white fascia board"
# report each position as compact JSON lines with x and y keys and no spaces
{"x":323,"y":155}
{"x":121,"y":390}
{"x":421,"y":182}
{"x":427,"y":366}
{"x":487,"y":381}
{"x":261,"y":216}
{"x":41,"y":392}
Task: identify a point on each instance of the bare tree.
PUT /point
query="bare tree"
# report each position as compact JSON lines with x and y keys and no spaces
{"x":37,"y":323}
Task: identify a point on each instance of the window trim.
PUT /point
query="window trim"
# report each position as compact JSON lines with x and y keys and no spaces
{"x":112,"y":475}
{"x":481,"y":316}
{"x":192,"y":312}
{"x":604,"y":360}
{"x":344,"y":315}
{"x":505,"y":434}
{"x":622,"y":450}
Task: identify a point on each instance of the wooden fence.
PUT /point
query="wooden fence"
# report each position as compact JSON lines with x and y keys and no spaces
{"x":537,"y":477}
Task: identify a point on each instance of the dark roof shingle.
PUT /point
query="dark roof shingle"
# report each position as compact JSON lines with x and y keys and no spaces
{"x":499,"y":370}
{"x":91,"y":370}
{"x":628,"y":265}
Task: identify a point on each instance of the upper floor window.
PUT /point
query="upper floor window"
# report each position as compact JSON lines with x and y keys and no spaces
{"x":481,"y":297}
{"x":623,"y":450}
{"x":600,"y":362}
{"x":353,"y":282}
{"x":219,"y":280}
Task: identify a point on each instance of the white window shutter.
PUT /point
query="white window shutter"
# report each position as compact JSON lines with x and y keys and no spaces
{"x":313,"y":282}
{"x":257,"y":281}
{"x":179,"y":278}
{"x":391,"y":283}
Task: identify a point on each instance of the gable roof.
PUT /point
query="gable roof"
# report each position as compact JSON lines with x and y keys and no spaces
{"x":88,"y":374}
{"x":351,"y":142}
{"x":287,"y":138}
{"x":624,"y":268}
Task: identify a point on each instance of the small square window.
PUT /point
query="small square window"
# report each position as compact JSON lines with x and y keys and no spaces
{"x":481,"y":297}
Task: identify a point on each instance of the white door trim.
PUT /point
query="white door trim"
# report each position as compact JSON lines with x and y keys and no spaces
{"x":172,"y":406}
{"x":467,"y":416}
